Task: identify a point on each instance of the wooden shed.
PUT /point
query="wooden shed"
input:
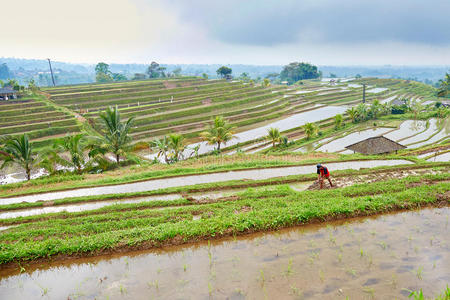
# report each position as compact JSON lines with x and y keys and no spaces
{"x":7,"y":93}
{"x":376,"y":145}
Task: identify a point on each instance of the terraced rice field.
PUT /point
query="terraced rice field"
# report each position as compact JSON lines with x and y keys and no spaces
{"x":37,"y":118}
{"x":235,"y":266}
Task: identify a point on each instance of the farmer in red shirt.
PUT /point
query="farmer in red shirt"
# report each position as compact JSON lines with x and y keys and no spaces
{"x":322,"y":172}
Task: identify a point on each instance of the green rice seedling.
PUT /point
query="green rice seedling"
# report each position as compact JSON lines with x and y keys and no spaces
{"x":185,"y":267}
{"x":289,"y":268}
{"x":154,"y":284}
{"x":419,"y":272}
{"x":383,"y":245}
{"x":370,"y":291}
{"x":321,"y":276}
{"x":261,"y":277}
{"x":44,"y":290}
{"x":340,"y":257}
{"x":210,"y":289}
{"x":361,"y":252}
{"x":332,"y":239}
{"x":352,"y":272}
{"x":123,"y":289}
{"x":418,"y":295}
{"x":296,"y":291}
{"x":394,"y":281}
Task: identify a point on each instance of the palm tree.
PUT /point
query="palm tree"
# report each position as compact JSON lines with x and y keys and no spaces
{"x":375,"y":108}
{"x":18,"y":150}
{"x":361,"y":112}
{"x":176,"y":144}
{"x":220,"y":132}
{"x":116,"y":138}
{"x":310,"y":130}
{"x":161,"y":146}
{"x":353,"y":114}
{"x":274,"y":135}
{"x":75,"y":145}
{"x":338,"y":119}
{"x":444,"y":86}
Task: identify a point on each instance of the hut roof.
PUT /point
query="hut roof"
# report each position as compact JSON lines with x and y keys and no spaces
{"x":376,"y":145}
{"x":398,"y":102}
{"x":7,"y":90}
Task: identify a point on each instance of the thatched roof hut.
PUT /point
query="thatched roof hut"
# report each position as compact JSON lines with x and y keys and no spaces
{"x":376,"y":145}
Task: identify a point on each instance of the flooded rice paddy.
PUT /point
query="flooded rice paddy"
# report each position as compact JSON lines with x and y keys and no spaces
{"x":406,"y":129}
{"x":363,"y":258}
{"x":440,"y":157}
{"x":290,"y":122}
{"x":340,"y":144}
{"x":155,"y":184}
{"x":433,"y":127}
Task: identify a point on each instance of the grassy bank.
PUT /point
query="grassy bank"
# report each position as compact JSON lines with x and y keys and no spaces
{"x":254,"y":210}
{"x":227,"y":185}
{"x":201,"y":166}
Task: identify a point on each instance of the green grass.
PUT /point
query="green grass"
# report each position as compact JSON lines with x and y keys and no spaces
{"x":82,"y":235}
{"x":254,"y":162}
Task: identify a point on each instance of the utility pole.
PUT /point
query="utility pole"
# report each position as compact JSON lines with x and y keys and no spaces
{"x":364,"y":93}
{"x":51,"y":71}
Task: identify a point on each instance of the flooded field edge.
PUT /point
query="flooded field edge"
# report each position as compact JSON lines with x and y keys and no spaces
{"x":13,"y":268}
{"x":189,"y":174}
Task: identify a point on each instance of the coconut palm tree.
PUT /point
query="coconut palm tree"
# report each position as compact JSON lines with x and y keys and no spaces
{"x":18,"y":150}
{"x":361,"y":112}
{"x":176,"y":144}
{"x":116,"y":139}
{"x":353,"y":114}
{"x":338,"y":119}
{"x":220,"y":132}
{"x":273,"y":134}
{"x":75,"y":146}
{"x":375,"y":108}
{"x":444,"y":86}
{"x":161,"y":146}
{"x":310,"y":130}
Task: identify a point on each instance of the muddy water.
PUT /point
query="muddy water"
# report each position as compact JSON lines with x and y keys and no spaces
{"x":293,"y":121}
{"x":424,"y":135}
{"x":340,"y":144}
{"x":311,"y":146}
{"x":82,"y":207}
{"x":441,"y":157}
{"x":370,"y":258}
{"x":376,"y":90}
{"x":443,"y":133}
{"x":406,"y":129}
{"x":156,"y":184}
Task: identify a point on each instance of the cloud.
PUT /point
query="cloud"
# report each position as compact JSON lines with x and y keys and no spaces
{"x":269,"y":23}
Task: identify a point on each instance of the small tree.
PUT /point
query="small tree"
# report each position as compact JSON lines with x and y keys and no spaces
{"x":75,"y":146}
{"x":220,"y":132}
{"x":223,"y":71}
{"x":266,"y":82}
{"x":161,"y":146}
{"x":116,"y":139}
{"x":353,"y":114}
{"x":205,"y":76}
{"x":273,"y":134}
{"x":375,"y":109}
{"x":338,"y":119}
{"x":102,"y":73}
{"x":176,"y":145}
{"x":310,"y":130}
{"x":18,"y":150}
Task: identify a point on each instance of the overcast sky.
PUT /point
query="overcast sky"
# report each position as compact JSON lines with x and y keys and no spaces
{"x":324,"y":32}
